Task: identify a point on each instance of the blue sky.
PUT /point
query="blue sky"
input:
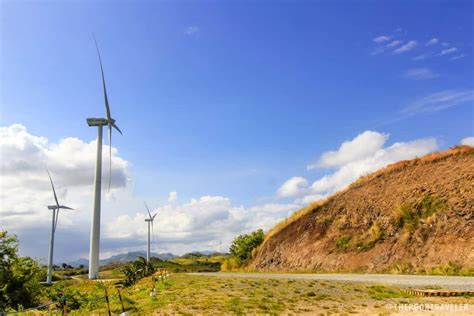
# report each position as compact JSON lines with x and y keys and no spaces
{"x":234,"y":98}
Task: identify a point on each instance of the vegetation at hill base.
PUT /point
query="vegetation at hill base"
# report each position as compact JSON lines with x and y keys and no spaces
{"x":19,"y":276}
{"x":242,"y":249}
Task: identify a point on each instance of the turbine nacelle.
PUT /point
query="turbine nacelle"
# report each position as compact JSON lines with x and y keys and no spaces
{"x":94,"y":121}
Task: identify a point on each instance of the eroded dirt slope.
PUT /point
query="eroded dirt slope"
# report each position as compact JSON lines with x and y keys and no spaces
{"x":411,"y":215}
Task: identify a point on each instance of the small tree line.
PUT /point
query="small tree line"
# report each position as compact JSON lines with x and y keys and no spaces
{"x":242,"y":250}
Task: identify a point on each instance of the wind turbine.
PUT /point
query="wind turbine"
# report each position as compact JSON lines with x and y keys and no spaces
{"x":55,"y":208}
{"x":149,"y":220}
{"x":95,"y":226}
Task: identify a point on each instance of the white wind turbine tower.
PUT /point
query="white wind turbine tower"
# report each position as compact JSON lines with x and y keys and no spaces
{"x":149,"y":220}
{"x":95,"y":226}
{"x":55,"y":208}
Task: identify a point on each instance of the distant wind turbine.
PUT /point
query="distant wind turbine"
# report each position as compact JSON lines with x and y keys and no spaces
{"x":55,"y":208}
{"x":149,"y":220}
{"x":95,"y":226}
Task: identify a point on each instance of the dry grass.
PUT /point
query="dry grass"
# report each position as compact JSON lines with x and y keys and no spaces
{"x":183,"y":294}
{"x":395,"y":167}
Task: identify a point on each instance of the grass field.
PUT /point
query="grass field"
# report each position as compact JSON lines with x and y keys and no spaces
{"x":187,"y":295}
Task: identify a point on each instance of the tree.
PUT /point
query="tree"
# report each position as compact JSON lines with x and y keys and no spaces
{"x":19,"y":276}
{"x":243,"y":245}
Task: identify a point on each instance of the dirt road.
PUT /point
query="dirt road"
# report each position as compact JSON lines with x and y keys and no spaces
{"x":444,"y":282}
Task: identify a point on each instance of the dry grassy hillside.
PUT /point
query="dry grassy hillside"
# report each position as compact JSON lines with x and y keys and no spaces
{"x":412,"y":216}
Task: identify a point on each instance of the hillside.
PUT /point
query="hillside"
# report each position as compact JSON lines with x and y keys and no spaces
{"x":412,"y":216}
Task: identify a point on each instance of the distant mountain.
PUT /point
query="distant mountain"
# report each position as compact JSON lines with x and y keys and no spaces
{"x":123,"y":257}
{"x":206,"y":252}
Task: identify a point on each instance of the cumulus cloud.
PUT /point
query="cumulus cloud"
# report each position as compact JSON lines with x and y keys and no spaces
{"x":173,"y":196}
{"x":199,"y":224}
{"x":405,"y":48}
{"x":420,"y":73}
{"x":293,"y":187}
{"x":432,"y":41}
{"x":351,"y":171}
{"x":362,"y":146}
{"x":381,"y":39}
{"x":24,"y":181}
{"x":468,"y":141}
{"x":439,"y":101}
{"x":359,"y":156}
{"x":26,"y":191}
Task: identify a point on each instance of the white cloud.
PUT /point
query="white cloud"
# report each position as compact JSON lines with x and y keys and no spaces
{"x":393,"y":44}
{"x":173,"y":196}
{"x":448,"y":51}
{"x":191,"y":30}
{"x":421,"y":73}
{"x":362,"y":146}
{"x":357,"y":157}
{"x":405,"y":48}
{"x":381,"y":39}
{"x":432,"y":41}
{"x":201,"y":223}
{"x":352,"y":170}
{"x":198,"y":224}
{"x":24,"y":181}
{"x":439,"y":101}
{"x":468,"y":141}
{"x":458,"y":56}
{"x":293,"y":187}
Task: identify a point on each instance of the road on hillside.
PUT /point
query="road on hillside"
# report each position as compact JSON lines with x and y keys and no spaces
{"x":444,"y":282}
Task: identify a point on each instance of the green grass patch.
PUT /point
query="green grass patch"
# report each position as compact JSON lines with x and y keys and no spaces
{"x":342,"y":243}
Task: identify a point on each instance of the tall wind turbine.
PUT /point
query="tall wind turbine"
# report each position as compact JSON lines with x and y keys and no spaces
{"x":149,"y":220}
{"x":55,"y":208}
{"x":95,"y":226}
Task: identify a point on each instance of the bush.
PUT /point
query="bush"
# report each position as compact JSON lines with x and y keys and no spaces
{"x":370,"y":238}
{"x":137,"y":270}
{"x":408,"y":215}
{"x":342,"y":243}
{"x":19,"y":276}
{"x":230,"y":264}
{"x":60,"y":293}
{"x":243,"y":245}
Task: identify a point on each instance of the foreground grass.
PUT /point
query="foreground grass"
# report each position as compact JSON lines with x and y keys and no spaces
{"x":187,"y":294}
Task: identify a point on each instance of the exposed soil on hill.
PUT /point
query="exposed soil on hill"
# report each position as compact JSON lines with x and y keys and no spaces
{"x":411,"y":216}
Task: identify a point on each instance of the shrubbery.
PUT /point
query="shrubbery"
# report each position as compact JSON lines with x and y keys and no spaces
{"x":137,"y":270}
{"x":241,"y":249}
{"x":408,"y":215}
{"x":19,"y":276}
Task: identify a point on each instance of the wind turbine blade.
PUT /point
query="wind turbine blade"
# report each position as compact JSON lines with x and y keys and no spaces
{"x":149,"y":214}
{"x":106,"y":100}
{"x":57,"y":216}
{"x":52,"y":185}
{"x":66,"y":207}
{"x":110,"y":154}
{"x":116,"y":127}
{"x":154,"y":217}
